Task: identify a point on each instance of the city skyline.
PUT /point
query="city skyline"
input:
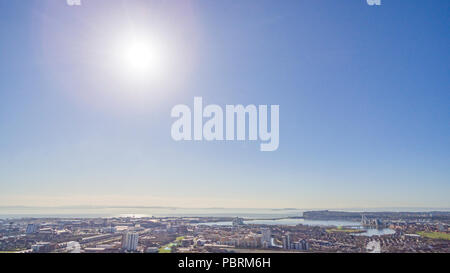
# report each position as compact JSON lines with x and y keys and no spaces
{"x":362,"y":90}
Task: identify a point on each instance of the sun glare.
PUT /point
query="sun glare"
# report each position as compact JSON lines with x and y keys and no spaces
{"x":141,"y":57}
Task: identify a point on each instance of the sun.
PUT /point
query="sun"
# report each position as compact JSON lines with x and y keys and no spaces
{"x":141,"y":56}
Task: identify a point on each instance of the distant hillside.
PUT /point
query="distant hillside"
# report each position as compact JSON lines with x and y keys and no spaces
{"x":343,"y":215}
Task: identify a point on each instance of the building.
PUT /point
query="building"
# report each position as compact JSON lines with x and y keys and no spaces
{"x":109,"y":229}
{"x":287,"y":241}
{"x":151,"y":249}
{"x":42,"y":247}
{"x":304,"y":244}
{"x":187,"y":242}
{"x":372,"y":223}
{"x":130,"y":241}
{"x":32,"y":228}
{"x":266,"y":239}
{"x":238,"y":222}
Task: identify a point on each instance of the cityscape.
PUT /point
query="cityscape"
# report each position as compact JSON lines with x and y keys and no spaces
{"x":238,"y":128}
{"x":312,"y":232}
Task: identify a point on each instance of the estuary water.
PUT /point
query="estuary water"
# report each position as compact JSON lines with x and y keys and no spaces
{"x":293,"y":222}
{"x":137,"y":212}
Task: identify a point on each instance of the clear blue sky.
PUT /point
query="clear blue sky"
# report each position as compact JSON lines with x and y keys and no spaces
{"x":364,"y":97}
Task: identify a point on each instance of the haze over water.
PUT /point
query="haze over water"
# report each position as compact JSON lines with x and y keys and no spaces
{"x":92,"y":212}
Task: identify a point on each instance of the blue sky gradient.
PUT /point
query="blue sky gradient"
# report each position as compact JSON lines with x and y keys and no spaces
{"x":364,"y":99}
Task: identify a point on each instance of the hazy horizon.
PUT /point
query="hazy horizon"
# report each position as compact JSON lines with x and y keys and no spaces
{"x":380,"y":209}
